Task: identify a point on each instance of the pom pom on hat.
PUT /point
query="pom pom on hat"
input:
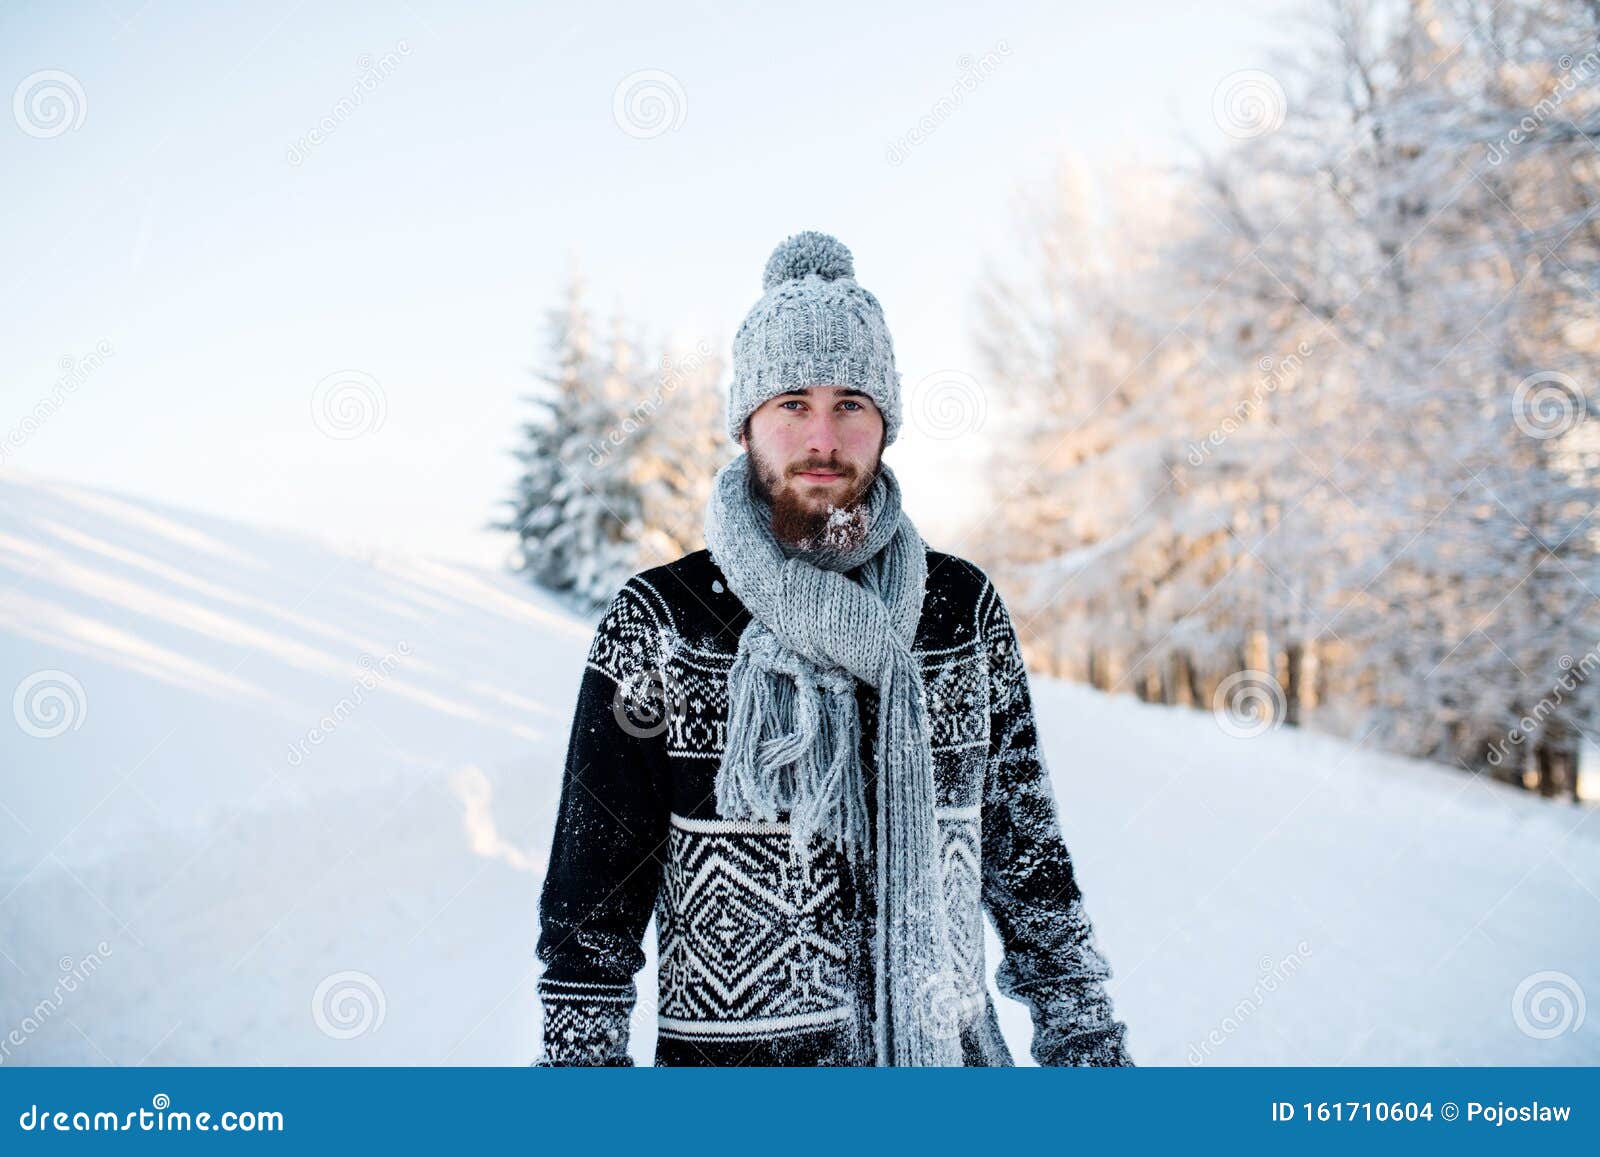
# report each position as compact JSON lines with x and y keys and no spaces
{"x":807,"y":253}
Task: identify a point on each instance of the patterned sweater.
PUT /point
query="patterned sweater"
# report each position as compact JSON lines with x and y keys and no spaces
{"x":765,"y":957}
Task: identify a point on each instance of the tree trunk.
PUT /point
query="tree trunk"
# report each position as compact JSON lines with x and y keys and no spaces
{"x":1557,"y":766}
{"x":1294,"y":682}
{"x":1180,"y":679}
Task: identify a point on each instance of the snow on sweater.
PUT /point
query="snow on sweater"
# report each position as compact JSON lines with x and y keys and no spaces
{"x":765,"y":957}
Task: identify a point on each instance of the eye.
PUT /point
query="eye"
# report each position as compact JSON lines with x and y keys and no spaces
{"x":790,"y":402}
{"x":851,"y":402}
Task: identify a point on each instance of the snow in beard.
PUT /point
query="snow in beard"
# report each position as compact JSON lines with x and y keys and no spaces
{"x":843,"y":528}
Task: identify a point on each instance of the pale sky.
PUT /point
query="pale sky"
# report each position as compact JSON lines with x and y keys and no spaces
{"x":164,"y":197}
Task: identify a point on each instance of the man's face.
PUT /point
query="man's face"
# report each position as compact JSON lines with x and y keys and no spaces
{"x":814,"y":454}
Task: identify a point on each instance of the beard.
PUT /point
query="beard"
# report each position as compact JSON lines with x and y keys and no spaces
{"x":837,"y":524}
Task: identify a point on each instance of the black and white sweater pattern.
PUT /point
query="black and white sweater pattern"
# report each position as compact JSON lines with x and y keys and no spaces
{"x":765,"y":957}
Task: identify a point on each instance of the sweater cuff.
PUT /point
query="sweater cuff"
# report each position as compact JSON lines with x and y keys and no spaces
{"x":584,"y":1023}
{"x":1074,"y":1024}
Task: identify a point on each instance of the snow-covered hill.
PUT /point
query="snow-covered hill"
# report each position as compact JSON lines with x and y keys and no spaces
{"x":266,"y":801}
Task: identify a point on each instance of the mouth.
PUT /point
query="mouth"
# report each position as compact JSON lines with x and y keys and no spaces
{"x":820,"y":476}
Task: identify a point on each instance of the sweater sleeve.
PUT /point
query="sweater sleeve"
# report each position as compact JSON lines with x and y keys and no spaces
{"x":1051,"y":963}
{"x":608,"y":850}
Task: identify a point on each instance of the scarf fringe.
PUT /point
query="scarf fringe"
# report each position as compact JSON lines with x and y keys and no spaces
{"x":921,"y":1035}
{"x":793,"y":745}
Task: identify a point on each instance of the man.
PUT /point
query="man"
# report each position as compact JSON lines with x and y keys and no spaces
{"x":810,"y":750}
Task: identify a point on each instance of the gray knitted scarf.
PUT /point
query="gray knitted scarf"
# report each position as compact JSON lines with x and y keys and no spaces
{"x":794,"y":733}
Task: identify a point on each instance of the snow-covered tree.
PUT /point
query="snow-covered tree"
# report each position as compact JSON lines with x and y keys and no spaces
{"x":618,"y":457}
{"x":682,"y":445}
{"x":1314,"y":406}
{"x":571,"y":517}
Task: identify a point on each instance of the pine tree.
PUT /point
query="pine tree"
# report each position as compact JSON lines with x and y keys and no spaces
{"x":571,"y":513}
{"x":618,"y":458}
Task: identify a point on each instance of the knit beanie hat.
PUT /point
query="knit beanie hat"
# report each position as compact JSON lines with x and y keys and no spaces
{"x":814,"y":326}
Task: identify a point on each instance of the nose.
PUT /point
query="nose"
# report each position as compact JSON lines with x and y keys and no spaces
{"x":821,"y":433}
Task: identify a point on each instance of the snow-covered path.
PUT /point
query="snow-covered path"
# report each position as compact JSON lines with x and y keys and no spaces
{"x":243,"y":871}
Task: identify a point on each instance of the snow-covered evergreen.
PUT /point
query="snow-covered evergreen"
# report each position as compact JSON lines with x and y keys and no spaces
{"x":617,"y":458}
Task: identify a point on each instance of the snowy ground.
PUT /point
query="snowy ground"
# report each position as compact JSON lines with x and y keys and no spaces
{"x":1286,"y":899}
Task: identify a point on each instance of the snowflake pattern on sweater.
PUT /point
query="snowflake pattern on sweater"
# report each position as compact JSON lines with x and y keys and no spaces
{"x":766,"y":956}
